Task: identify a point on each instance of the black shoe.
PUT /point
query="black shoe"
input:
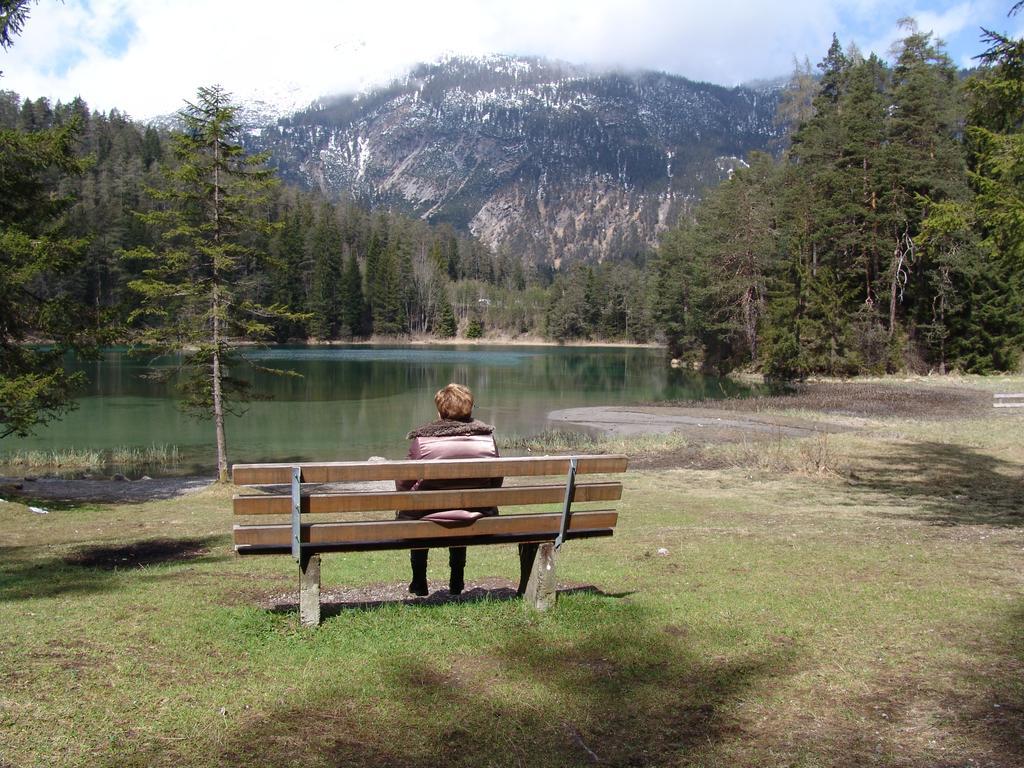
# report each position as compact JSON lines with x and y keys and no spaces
{"x":456,"y":587}
{"x":420,"y":590}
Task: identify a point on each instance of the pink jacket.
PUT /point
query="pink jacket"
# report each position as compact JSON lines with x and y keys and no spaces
{"x":451,"y":440}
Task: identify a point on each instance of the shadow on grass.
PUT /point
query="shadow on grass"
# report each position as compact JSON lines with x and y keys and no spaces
{"x":140,"y":554}
{"x":24,"y":575}
{"x":951,"y":485}
{"x":336,"y":607}
{"x":998,"y":715}
{"x":52,"y":505}
{"x":611,"y":688}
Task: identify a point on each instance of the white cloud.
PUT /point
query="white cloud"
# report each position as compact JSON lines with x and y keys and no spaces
{"x":320,"y":46}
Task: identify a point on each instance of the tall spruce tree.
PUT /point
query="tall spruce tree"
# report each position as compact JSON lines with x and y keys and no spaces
{"x":352,"y":304}
{"x":682,"y":303}
{"x":825,"y":205}
{"x":389,"y":291}
{"x":926,"y":166}
{"x":194,"y":289}
{"x":975,"y":239}
{"x":325,"y":302}
{"x":36,"y":257}
{"x":446,"y":325}
{"x":736,"y":230}
{"x":288,"y":270}
{"x":996,"y":143}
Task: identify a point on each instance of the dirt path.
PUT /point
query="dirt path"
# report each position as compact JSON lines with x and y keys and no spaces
{"x":708,"y":424}
{"x":101,"y":490}
{"x":830,"y":407}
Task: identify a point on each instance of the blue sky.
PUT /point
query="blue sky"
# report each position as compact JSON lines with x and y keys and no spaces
{"x":146,"y":56}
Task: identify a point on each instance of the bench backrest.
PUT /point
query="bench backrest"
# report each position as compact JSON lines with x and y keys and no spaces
{"x":301,"y":495}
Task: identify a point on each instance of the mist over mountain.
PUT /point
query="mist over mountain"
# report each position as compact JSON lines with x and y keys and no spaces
{"x":549,"y":160}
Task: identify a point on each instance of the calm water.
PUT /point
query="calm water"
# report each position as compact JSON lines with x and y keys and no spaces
{"x":359,"y":401}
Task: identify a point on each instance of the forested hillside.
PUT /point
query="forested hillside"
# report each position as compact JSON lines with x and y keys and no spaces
{"x":354,"y":272}
{"x":888,"y":236}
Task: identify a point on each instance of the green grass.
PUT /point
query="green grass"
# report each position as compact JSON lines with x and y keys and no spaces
{"x":872,"y":614}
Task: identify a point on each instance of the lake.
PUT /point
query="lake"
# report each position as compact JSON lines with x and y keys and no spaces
{"x":352,"y":402}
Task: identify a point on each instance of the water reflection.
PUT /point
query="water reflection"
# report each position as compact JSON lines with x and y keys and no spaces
{"x":358,"y":401}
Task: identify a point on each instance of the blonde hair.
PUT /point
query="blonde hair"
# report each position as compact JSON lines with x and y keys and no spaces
{"x":454,"y":402}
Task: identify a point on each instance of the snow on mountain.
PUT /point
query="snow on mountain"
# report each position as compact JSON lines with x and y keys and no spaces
{"x":548,"y":159}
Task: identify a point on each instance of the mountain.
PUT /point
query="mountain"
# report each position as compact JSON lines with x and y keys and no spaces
{"x":549,"y":160}
{"x":256,"y":109}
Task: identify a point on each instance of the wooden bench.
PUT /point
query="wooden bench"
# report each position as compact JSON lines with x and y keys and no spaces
{"x":1009,"y":400}
{"x":300,"y":494}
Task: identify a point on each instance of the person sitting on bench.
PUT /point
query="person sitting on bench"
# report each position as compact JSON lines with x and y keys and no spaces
{"x":455,"y":435}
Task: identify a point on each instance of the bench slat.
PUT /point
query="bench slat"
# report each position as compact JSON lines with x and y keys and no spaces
{"x":357,"y":471}
{"x":462,"y":541}
{"x":401,"y":533}
{"x":425,"y":500}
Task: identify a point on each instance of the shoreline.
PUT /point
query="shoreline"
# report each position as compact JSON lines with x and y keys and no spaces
{"x":819,"y":408}
{"x":428,"y":341}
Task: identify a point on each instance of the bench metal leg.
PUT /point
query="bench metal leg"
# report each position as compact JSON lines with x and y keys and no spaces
{"x":542,"y":588}
{"x":309,"y":590}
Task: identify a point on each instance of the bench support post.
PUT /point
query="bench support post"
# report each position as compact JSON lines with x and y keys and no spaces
{"x":570,"y":491}
{"x":542,"y":588}
{"x":297,"y":514}
{"x":309,"y":590}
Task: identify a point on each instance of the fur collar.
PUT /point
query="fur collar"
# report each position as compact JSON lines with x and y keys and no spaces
{"x":447,"y":428}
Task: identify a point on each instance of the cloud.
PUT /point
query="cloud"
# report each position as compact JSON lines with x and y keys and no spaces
{"x":147,"y":56}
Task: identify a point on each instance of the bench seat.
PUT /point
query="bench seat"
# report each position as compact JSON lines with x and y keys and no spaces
{"x":305,"y":539}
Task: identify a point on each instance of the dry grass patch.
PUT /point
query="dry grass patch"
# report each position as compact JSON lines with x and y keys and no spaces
{"x":860,"y":604}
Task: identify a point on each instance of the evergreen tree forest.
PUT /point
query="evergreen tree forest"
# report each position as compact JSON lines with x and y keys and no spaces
{"x":885,"y":237}
{"x":37,"y":254}
{"x":348,"y":272}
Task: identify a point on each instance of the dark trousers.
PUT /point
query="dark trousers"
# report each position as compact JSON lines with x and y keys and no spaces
{"x":457,"y":564}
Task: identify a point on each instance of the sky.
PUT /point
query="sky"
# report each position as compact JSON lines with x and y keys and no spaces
{"x":146,"y":57}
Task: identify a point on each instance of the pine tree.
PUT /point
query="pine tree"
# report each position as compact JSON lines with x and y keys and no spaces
{"x":681,"y":295}
{"x":446,"y":326}
{"x":567,"y":309}
{"x":406,"y":293}
{"x":590,"y":311}
{"x":976,"y":318}
{"x":13,"y":15}
{"x":352,"y":305}
{"x":926,"y":166}
{"x":995,"y":134}
{"x":325,"y":304}
{"x":152,"y":148}
{"x":36,"y":257}
{"x":736,"y":230}
{"x":796,"y":105}
{"x":287,"y":270}
{"x":373,"y":276}
{"x":389,"y":318}
{"x":825,"y":206}
{"x":194,"y":289}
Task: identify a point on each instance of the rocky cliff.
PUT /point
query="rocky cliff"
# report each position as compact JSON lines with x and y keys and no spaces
{"x":546,"y":159}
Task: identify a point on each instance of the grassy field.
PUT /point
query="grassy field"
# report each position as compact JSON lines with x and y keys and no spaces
{"x":860,"y":603}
